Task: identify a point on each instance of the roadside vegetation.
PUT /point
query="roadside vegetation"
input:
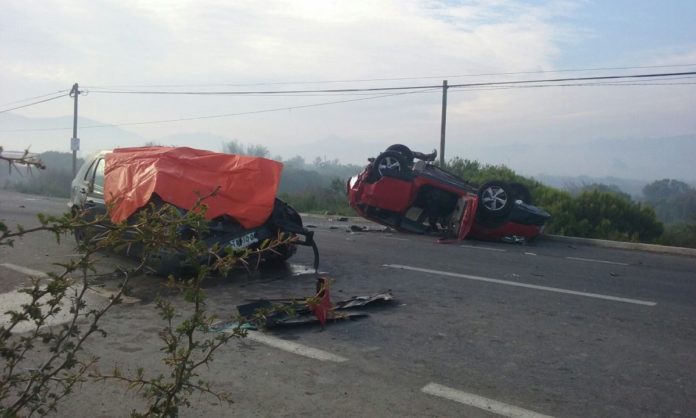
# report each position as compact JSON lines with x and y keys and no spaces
{"x":665,"y":215}
{"x":42,"y":362}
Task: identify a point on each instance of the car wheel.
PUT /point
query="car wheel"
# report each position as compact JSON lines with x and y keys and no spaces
{"x":403,"y":149}
{"x":521,"y":192}
{"x":495,"y":199}
{"x":79,"y":233}
{"x":390,"y":160}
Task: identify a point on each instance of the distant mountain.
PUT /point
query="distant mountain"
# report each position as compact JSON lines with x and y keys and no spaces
{"x":204,"y":140}
{"x":643,"y":159}
{"x":632,"y":187}
{"x":347,"y":150}
{"x":53,"y":134}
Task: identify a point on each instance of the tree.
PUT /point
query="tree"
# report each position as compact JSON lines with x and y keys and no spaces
{"x":257,"y":151}
{"x":235,"y":147}
{"x":673,"y":200}
{"x":661,"y":190}
{"x":604,"y":188}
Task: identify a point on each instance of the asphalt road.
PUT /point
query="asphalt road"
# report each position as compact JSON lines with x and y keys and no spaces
{"x":545,"y":328}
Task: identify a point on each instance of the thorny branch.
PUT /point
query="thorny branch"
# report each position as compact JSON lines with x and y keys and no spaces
{"x":28,"y":390}
{"x":24,"y":158}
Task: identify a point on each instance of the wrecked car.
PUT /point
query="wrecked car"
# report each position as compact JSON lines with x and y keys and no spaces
{"x":241,"y":204}
{"x":397,"y":191}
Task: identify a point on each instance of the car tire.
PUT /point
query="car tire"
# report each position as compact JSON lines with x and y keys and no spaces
{"x":79,"y":233}
{"x":403,"y":149}
{"x":389,"y":160}
{"x":495,"y":200}
{"x":521,"y":192}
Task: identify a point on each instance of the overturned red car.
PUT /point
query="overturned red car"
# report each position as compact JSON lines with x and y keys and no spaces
{"x":416,"y":196}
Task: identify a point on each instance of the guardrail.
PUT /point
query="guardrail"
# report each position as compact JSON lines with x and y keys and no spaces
{"x":653,"y":248}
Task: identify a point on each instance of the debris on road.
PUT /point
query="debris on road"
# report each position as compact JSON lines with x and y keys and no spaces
{"x":360,"y":301}
{"x":315,"y":309}
{"x":358,"y":228}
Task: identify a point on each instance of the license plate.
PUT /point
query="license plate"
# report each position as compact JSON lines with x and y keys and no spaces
{"x":244,"y":241}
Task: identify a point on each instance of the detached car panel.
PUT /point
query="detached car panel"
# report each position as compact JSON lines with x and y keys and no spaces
{"x":420,"y":197}
{"x":242,"y":214}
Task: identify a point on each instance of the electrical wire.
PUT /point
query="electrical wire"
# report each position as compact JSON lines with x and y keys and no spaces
{"x":396,"y":78}
{"x":377,"y":89}
{"x":557,"y":80}
{"x":35,"y":97}
{"x":617,"y":80}
{"x":224,"y":115}
{"x":32,"y":104}
{"x":532,"y":86}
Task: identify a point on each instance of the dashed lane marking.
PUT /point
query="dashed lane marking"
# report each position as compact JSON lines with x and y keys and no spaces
{"x":105,"y":293}
{"x":529,"y":286}
{"x":24,"y":270}
{"x":486,"y":404}
{"x":476,"y":247}
{"x":592,"y":260}
{"x":295,"y":348}
{"x":392,"y":238}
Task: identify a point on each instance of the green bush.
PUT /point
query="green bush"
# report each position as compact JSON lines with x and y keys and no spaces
{"x":331,"y":200}
{"x":681,"y":235}
{"x":595,"y":213}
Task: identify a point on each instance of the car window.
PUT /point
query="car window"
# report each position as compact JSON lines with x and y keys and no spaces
{"x":98,"y":187}
{"x":89,"y":174}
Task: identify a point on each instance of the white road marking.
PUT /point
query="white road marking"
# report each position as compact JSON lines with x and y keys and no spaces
{"x":13,"y":301}
{"x":108,"y":294}
{"x":592,"y":260}
{"x":529,"y":253}
{"x":529,"y":286}
{"x":24,"y":270}
{"x":393,"y":238}
{"x":300,"y":269}
{"x":105,"y":293}
{"x":486,"y":404}
{"x":476,"y":247}
{"x":295,"y":348}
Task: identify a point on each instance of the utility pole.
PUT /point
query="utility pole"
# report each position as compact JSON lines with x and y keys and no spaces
{"x":74,"y":141}
{"x":444,"y":123}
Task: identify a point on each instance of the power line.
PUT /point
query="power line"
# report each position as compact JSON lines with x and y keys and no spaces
{"x":377,"y":89}
{"x":396,"y":78}
{"x":600,"y":84}
{"x":35,"y":97}
{"x":426,"y":89}
{"x":560,"y":80}
{"x":34,"y":103}
{"x":222,"y":115}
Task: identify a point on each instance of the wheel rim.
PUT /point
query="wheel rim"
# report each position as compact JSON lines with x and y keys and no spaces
{"x":389,"y":163}
{"x":494,"y":198}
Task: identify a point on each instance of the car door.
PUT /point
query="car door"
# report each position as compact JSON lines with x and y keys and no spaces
{"x":92,"y":191}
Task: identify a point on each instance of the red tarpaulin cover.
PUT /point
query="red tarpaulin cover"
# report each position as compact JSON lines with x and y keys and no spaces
{"x":248,"y":185}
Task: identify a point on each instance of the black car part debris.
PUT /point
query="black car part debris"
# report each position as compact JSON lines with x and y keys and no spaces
{"x":317,"y":309}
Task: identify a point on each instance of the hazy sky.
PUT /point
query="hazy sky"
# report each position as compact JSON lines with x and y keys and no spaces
{"x":209,"y":45}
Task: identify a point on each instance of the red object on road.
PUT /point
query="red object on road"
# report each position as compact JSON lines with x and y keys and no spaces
{"x":246,"y":186}
{"x":322,"y":307}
